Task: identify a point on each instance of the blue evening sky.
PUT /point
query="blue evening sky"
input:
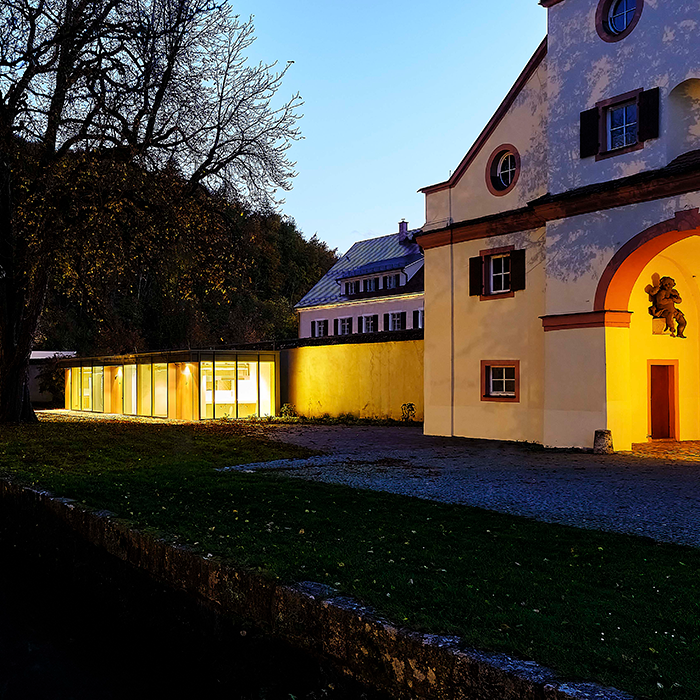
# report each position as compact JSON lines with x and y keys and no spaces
{"x":394,"y":95}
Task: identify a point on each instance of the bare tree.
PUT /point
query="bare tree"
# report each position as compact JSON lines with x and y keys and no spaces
{"x":151,"y":82}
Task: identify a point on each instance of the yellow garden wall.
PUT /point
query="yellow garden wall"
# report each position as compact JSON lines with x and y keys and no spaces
{"x":365,"y":379}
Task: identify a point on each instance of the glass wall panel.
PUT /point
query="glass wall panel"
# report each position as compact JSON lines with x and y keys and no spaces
{"x":143,"y":402}
{"x":225,"y":389}
{"x":129,"y":389}
{"x":206,"y":391}
{"x":98,"y":389}
{"x":267,"y":385}
{"x":86,"y":397}
{"x":247,"y":385}
{"x":160,"y":389}
{"x":75,"y":388}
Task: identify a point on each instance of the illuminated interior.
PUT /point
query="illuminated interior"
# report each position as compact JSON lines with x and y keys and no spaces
{"x":185,"y":385}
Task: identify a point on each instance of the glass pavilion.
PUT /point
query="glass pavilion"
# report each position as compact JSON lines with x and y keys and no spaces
{"x":187,"y":384}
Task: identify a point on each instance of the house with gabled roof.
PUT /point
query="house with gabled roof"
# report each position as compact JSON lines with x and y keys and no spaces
{"x":376,"y":286}
{"x":562,"y":257}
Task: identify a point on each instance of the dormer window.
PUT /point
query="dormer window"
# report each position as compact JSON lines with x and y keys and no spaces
{"x":392,"y":281}
{"x":352,"y":288}
{"x":369,"y":284}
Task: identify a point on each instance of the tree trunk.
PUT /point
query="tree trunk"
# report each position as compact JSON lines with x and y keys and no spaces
{"x":15,"y":404}
{"x":17,"y":322}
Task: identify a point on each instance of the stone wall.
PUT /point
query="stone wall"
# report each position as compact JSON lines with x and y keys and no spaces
{"x":404,"y":664}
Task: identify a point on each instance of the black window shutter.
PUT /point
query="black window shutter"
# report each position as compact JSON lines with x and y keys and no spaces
{"x":385,"y":282}
{"x":397,"y":280}
{"x":313,"y":329}
{"x":517,"y":269}
{"x":386,"y":322}
{"x":335,"y":326}
{"x":350,"y":325}
{"x":416,"y":317}
{"x":648,"y":114}
{"x":476,"y":276}
{"x":360,"y":324}
{"x":590,"y":137}
{"x":403,"y":320}
{"x":375,"y":322}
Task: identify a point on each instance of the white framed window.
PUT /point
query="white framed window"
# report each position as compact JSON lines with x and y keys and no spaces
{"x":319,"y":328}
{"x":352,"y":287}
{"x":418,"y":317}
{"x":392,"y":281}
{"x":621,"y":125}
{"x":368,"y":324}
{"x":506,"y":169}
{"x":497,"y":273}
{"x":370,"y":284}
{"x":498,"y":268}
{"x":344,"y":326}
{"x":500,"y":380}
{"x":397,"y":320}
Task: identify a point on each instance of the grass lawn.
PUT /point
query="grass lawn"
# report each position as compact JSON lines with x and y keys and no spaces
{"x":621,"y":610}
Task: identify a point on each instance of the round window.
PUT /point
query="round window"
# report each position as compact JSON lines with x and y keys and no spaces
{"x":615,"y":19}
{"x":620,"y":15}
{"x":506,"y":169}
{"x":502,"y":170}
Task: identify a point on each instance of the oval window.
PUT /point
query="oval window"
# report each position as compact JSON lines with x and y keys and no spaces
{"x":620,"y":15}
{"x":615,"y":19}
{"x":506,"y":169}
{"x":502,"y":170}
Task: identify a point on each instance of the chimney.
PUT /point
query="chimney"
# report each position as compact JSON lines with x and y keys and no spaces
{"x":403,"y":231}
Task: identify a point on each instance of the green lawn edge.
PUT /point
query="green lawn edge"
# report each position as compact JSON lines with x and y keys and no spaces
{"x":616,"y":609}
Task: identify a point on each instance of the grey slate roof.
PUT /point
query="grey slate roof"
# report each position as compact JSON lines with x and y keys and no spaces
{"x":372,"y":256}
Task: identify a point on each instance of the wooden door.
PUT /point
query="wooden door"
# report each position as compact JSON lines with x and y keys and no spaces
{"x":662,"y":402}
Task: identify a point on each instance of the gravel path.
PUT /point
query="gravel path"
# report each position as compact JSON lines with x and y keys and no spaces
{"x":650,"y":491}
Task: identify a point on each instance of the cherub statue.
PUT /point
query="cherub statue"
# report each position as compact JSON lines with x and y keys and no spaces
{"x":663,"y":298}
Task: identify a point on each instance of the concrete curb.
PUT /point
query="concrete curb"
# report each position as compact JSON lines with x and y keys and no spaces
{"x":405,"y":664}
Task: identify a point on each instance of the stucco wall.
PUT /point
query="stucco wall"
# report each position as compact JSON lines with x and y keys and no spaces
{"x":580,"y":247}
{"x":523,"y":126}
{"x":464,"y":330}
{"x":365,"y":379}
{"x":583,"y":69}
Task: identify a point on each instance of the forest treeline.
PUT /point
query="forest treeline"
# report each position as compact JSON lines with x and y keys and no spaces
{"x":149,"y":264}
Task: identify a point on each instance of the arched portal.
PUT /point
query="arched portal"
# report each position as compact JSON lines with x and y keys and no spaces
{"x":618,"y":278}
{"x":652,"y":378}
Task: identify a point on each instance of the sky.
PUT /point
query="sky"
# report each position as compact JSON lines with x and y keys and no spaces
{"x":395,"y":93}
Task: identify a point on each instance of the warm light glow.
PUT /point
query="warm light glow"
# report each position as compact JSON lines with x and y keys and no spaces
{"x":186,"y":370}
{"x":119,"y":372}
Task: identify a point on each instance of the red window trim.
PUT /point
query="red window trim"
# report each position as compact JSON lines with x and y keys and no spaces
{"x":500,"y":363}
{"x":603,"y":106}
{"x":601,"y":21}
{"x":484,"y":269}
{"x":492,"y":164}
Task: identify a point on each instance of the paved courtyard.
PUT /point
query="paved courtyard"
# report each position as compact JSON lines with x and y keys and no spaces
{"x":652,"y":491}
